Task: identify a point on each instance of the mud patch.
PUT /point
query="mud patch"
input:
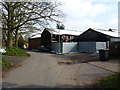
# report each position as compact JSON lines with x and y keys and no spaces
{"x":65,"y":63}
{"x":80,"y":61}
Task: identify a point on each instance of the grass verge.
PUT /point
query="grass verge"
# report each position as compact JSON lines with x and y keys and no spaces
{"x":14,"y":51}
{"x":111,"y":81}
{"x":5,"y":64}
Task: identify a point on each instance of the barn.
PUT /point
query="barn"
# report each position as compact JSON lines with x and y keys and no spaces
{"x":115,"y":47}
{"x":59,"y":41}
{"x":69,"y":41}
{"x":34,"y":42}
{"x":94,"y":39}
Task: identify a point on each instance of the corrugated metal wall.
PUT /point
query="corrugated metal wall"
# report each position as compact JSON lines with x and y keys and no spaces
{"x":69,"y":47}
{"x":87,"y":47}
{"x":55,"y":47}
{"x":91,"y":47}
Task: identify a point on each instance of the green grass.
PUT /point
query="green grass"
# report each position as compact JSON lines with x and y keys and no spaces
{"x":5,"y":64}
{"x":14,"y":51}
{"x":110,"y":81}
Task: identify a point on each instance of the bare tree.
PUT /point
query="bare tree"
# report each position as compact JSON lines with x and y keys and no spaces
{"x":17,"y":15}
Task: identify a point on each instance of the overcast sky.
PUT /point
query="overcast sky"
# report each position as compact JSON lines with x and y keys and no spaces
{"x":84,"y":14}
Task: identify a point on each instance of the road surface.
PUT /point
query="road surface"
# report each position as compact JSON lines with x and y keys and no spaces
{"x":42,"y":70}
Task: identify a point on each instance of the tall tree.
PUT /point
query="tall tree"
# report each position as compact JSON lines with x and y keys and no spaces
{"x":60,"y":26}
{"x":16,"y":15}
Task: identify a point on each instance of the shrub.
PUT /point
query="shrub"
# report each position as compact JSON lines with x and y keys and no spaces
{"x":21,"y":42}
{"x":14,"y":51}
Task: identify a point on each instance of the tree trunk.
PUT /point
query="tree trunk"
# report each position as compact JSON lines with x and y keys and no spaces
{"x":9,"y":38}
{"x":16,"y":38}
{"x":9,"y":25}
{"x":3,"y":37}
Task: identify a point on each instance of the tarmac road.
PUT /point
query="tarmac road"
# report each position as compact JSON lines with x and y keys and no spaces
{"x":42,"y":70}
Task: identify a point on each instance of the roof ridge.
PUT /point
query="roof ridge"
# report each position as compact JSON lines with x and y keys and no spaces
{"x":105,"y":29}
{"x":63,"y":29}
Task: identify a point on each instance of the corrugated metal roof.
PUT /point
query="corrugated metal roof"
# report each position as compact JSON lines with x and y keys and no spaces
{"x":64,"y":32}
{"x":36,"y":34}
{"x":112,"y":32}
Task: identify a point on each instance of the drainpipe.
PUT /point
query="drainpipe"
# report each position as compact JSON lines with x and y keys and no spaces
{"x":59,"y":47}
{"x":108,"y":42}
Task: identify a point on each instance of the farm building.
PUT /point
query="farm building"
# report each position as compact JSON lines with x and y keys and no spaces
{"x":34,"y":42}
{"x":89,"y":41}
{"x":115,"y":46}
{"x":98,"y":35}
{"x":94,"y":39}
{"x":55,"y":39}
{"x":67,"y":41}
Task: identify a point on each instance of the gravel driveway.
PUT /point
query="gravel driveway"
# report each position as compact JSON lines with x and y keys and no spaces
{"x":42,"y":70}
